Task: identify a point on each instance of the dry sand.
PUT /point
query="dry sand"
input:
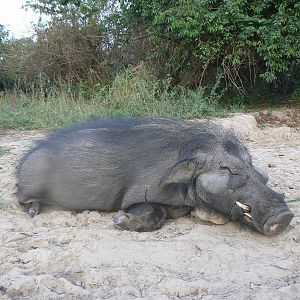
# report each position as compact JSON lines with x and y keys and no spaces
{"x":58,"y":255}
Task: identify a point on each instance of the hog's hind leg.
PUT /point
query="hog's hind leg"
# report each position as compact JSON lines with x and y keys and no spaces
{"x":32,"y":184}
{"x":141,"y":217}
{"x":31,"y":206}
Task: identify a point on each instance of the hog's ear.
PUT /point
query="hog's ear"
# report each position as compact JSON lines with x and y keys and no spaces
{"x":262,"y":174}
{"x":183,"y":172}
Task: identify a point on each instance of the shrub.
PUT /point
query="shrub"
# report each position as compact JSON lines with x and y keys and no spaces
{"x":248,"y":40}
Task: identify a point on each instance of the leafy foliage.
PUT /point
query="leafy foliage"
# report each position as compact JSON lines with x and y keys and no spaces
{"x":70,"y":47}
{"x":243,"y":45}
{"x":248,"y":40}
{"x":4,"y":48}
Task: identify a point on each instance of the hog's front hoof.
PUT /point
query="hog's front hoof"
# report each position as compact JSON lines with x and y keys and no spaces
{"x":121,"y":220}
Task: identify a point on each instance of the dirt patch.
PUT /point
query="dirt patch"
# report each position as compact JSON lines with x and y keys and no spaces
{"x":278,"y":118}
{"x":58,"y":255}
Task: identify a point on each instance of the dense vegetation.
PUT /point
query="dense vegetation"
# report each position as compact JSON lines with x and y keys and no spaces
{"x":182,"y":58}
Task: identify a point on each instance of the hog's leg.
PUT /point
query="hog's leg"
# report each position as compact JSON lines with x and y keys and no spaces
{"x":174,"y":212}
{"x":34,"y":209}
{"x":144,"y":216}
{"x":31,"y":206}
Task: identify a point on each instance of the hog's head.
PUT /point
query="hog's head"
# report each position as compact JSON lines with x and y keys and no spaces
{"x":219,"y":175}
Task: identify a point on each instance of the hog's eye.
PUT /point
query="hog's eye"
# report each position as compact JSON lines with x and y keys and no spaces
{"x":229,"y":170}
{"x":224,"y":169}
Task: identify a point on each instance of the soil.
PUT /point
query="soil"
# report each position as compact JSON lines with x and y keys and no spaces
{"x":60,"y":255}
{"x":277,"y":118}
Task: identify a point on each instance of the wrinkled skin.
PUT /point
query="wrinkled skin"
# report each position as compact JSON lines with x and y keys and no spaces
{"x":150,"y":170}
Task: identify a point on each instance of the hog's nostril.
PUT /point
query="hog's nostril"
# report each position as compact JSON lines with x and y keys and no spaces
{"x":277,"y":223}
{"x":273,"y":227}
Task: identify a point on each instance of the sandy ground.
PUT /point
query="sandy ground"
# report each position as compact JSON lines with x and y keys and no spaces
{"x":57,"y":255}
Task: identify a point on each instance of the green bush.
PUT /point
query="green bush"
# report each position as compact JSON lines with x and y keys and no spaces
{"x":248,"y":40}
{"x":246,"y":47}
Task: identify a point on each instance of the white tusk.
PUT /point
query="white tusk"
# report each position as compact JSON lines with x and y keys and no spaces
{"x":243,"y":206}
{"x":248,"y":215}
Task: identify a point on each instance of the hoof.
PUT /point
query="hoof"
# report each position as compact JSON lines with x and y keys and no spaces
{"x":120,"y":220}
{"x":32,"y":212}
{"x":34,"y":209}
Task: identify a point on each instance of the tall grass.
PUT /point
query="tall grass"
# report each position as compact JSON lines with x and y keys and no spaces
{"x":133,"y":93}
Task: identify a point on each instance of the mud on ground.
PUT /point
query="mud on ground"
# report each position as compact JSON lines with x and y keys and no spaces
{"x":58,"y":255}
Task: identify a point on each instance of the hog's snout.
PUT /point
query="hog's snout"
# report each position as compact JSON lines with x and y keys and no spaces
{"x":278,"y":222}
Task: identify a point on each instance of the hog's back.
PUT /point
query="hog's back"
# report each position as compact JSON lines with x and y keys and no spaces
{"x":95,"y":168}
